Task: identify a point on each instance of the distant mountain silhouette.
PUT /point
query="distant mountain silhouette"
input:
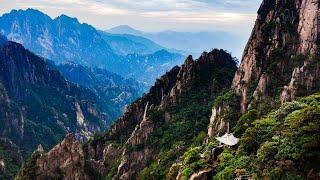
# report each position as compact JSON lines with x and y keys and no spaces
{"x":65,"y":39}
{"x":189,"y":42}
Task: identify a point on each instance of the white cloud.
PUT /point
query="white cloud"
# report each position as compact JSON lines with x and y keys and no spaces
{"x":152,"y":15}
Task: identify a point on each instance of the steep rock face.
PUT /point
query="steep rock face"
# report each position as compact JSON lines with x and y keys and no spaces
{"x":37,"y":102}
{"x":280,"y":59}
{"x":65,"y":160}
{"x":135,"y":112}
{"x":191,"y":72}
{"x":201,"y":74}
{"x":136,"y":139}
{"x":282,"y":31}
{"x":304,"y":79}
{"x":308,"y":28}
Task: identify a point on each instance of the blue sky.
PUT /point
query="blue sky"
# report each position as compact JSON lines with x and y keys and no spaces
{"x":235,"y":16}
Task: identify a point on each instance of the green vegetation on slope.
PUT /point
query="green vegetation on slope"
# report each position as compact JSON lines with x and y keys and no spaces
{"x":186,"y":128}
{"x":284,"y":144}
{"x":10,"y":157}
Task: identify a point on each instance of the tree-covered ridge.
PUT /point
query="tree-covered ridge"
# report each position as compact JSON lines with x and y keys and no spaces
{"x":38,"y":106}
{"x":183,"y":115}
{"x":155,"y":130}
{"x":284,"y":144}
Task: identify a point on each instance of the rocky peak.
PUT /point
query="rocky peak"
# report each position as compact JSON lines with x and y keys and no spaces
{"x":193,"y":77}
{"x":125,"y":149}
{"x":280,"y":61}
{"x":65,"y":160}
{"x":201,"y":70}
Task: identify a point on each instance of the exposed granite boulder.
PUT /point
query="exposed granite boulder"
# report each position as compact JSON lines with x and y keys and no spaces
{"x":65,"y":160}
{"x":205,"y":174}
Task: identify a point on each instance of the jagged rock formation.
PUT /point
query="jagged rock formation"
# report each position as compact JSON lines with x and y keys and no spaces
{"x":281,"y":58}
{"x":283,"y":31}
{"x":129,"y":147}
{"x":65,"y":160}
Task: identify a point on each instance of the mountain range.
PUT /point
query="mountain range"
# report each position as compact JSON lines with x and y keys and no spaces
{"x":65,"y":39}
{"x":189,"y":42}
{"x":113,"y":90}
{"x":37,"y":102}
{"x":270,"y":105}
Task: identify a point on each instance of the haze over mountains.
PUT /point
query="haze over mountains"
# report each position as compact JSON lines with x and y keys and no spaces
{"x":190,"y":42}
{"x":65,"y":39}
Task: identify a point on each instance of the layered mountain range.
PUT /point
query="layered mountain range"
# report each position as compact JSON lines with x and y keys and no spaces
{"x":271,"y":103}
{"x":189,"y":42}
{"x":113,"y":90}
{"x":65,"y":39}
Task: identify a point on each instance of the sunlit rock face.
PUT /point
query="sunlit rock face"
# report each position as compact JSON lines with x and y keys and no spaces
{"x":280,"y":60}
{"x":283,"y":31}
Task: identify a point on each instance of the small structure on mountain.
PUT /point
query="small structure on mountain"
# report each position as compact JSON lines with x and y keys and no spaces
{"x":228,"y":138}
{"x":2,"y":166}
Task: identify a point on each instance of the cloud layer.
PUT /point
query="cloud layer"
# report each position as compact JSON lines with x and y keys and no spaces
{"x":151,"y":15}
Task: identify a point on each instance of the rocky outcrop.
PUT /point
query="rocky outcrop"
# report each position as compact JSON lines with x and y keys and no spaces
{"x":191,"y":70}
{"x":309,"y":27}
{"x":141,"y":157}
{"x":304,"y":79}
{"x":135,"y":112}
{"x":2,"y":166}
{"x":217,"y":122}
{"x":65,"y":160}
{"x":205,"y":174}
{"x":67,"y":157}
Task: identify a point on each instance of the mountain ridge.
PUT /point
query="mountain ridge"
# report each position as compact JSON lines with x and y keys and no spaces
{"x":189,"y":42}
{"x":37,"y":103}
{"x":65,"y":39}
{"x":128,"y":138}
